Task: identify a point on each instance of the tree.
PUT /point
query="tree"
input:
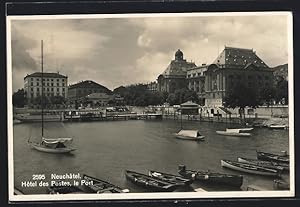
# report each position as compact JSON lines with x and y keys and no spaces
{"x":282,"y":91}
{"x":241,"y":97}
{"x":19,"y":99}
{"x":267,"y":95}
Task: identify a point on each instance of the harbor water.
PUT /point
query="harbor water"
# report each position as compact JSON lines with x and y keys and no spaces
{"x":106,"y":149}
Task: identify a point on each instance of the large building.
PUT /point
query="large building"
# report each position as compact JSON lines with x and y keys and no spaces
{"x":84,"y":88}
{"x":174,"y":77}
{"x":54,"y":84}
{"x":232,"y":66}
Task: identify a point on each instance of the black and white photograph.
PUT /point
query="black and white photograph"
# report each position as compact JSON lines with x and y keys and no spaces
{"x":150,"y":106}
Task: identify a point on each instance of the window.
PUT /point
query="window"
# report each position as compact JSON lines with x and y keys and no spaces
{"x":47,"y":89}
{"x":47,"y":84}
{"x":31,"y":84}
{"x":63,"y":80}
{"x":37,"y":83}
{"x":57,"y":80}
{"x":63,"y":84}
{"x":63,"y":89}
{"x":51,"y":89}
{"x":57,"y":89}
{"x":31,"y":89}
{"x":38,"y":89}
{"x":51,"y":79}
{"x":57,"y":84}
{"x":31,"y":79}
{"x":52,"y":84}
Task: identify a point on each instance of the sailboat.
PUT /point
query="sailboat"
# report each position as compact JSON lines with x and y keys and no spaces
{"x":50,"y":145}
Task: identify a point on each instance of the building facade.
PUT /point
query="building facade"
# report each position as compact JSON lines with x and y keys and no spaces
{"x":231,"y":67}
{"x":54,"y":84}
{"x":174,"y":77}
{"x":84,"y":88}
{"x":196,"y":81}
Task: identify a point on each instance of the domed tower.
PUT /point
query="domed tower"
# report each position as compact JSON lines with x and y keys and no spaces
{"x":178,"y":55}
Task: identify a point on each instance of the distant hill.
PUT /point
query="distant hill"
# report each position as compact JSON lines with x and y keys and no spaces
{"x":281,"y":71}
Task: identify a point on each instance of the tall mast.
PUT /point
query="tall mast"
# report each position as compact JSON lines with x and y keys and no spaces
{"x":42,"y":102}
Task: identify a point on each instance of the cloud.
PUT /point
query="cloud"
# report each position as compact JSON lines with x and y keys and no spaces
{"x":120,"y":51}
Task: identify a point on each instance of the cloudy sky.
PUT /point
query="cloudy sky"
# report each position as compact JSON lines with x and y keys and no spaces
{"x":122,"y":51}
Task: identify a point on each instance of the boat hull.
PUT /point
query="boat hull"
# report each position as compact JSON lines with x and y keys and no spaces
{"x":200,"y":138}
{"x":150,"y":183}
{"x":212,"y":178}
{"x":252,"y":169}
{"x":42,"y":148}
{"x":272,"y":157}
{"x":98,"y":186}
{"x":178,"y":180}
{"x":262,"y":163}
{"x":236,"y":134}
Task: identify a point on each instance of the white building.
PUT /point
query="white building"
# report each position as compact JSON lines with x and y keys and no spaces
{"x":54,"y":84}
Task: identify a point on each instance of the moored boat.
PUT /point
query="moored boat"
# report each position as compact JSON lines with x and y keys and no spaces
{"x":267,"y":164}
{"x":242,"y":129}
{"x":281,"y":185}
{"x":89,"y":185}
{"x":233,"y":132}
{"x":211,"y":177}
{"x":176,"y":179}
{"x":189,"y":135}
{"x":273,"y":157}
{"x":57,"y":148}
{"x":249,"y":168}
{"x":277,"y":126}
{"x":149,"y":182}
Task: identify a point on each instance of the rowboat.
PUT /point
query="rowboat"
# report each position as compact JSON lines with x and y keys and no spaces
{"x":281,"y":185}
{"x":248,"y":168}
{"x":175,"y":179}
{"x":277,"y":126}
{"x":189,"y":135}
{"x":233,"y":132}
{"x":149,"y":182}
{"x":211,"y":177}
{"x":242,"y":129}
{"x":273,"y":157}
{"x":267,"y":164}
{"x":89,"y":184}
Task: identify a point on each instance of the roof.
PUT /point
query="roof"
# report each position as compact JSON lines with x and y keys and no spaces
{"x":189,"y":104}
{"x":178,"y":68}
{"x":98,"y":96}
{"x":46,"y":75}
{"x":188,"y":133}
{"x":232,"y":57}
{"x":88,"y":84}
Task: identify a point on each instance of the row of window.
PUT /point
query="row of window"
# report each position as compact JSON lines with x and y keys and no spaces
{"x":195,"y":74}
{"x":48,"y":84}
{"x":48,"y":89}
{"x":47,"y":94}
{"x":47,"y":79}
{"x":249,"y":77}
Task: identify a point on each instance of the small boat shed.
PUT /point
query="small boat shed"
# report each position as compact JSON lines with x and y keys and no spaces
{"x":189,"y":108}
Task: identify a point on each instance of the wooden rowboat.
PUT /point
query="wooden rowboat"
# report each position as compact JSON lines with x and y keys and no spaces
{"x":267,"y":164}
{"x":89,"y":184}
{"x":273,"y":157}
{"x":176,"y":179}
{"x":151,"y":183}
{"x":213,"y":178}
{"x":248,"y":168}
